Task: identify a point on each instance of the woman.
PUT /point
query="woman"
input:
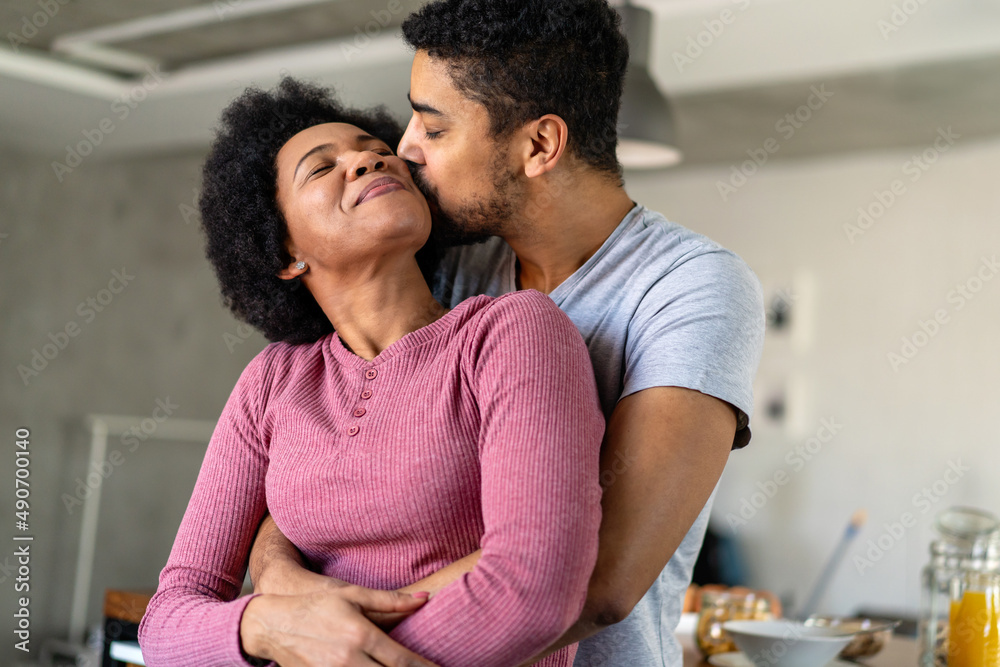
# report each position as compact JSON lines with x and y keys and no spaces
{"x":386,"y":436}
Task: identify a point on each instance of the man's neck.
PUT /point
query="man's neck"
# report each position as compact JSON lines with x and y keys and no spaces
{"x":557,"y":238}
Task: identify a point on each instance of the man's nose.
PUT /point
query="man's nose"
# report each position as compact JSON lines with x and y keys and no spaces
{"x":409,"y":149}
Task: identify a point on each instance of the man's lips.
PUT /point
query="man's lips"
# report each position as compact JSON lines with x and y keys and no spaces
{"x":378,"y":186}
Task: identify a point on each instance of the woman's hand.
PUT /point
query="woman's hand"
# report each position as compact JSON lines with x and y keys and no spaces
{"x":327,"y":628}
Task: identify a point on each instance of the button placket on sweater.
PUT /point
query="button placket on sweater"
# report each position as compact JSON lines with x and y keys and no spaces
{"x":359,"y":412}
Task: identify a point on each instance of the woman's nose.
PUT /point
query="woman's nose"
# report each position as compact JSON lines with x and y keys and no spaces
{"x":367,"y":161}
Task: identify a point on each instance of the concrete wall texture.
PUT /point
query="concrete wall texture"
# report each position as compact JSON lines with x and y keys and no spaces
{"x":103,"y":275}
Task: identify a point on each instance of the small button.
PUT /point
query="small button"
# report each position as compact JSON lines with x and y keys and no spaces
{"x":366,"y":394}
{"x":360,"y":412}
{"x":371,"y":373}
{"x":353,"y":430}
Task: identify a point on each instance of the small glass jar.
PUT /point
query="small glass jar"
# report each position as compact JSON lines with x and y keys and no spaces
{"x":957,"y":582}
{"x":719,"y":607}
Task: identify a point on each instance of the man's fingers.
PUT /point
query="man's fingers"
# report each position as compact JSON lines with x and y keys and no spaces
{"x":384,"y":601}
{"x":387,"y":652}
{"x":311,"y":653}
{"x":387,"y":620}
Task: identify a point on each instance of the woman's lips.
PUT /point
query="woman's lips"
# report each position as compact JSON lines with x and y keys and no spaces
{"x":377,"y":187}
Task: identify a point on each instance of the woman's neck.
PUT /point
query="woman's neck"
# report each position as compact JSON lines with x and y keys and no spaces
{"x":375,"y":306}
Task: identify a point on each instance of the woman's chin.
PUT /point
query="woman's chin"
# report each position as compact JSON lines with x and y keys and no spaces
{"x":409,"y":222}
{"x":408,"y":234}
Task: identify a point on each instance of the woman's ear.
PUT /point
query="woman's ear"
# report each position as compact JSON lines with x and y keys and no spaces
{"x":296,"y":266}
{"x":295,"y":269}
{"x":548,"y":137}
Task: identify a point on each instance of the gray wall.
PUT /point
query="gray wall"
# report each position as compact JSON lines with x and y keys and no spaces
{"x":159,"y":338}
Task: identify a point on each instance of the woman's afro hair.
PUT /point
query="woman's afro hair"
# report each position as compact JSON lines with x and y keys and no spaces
{"x":244,"y":229}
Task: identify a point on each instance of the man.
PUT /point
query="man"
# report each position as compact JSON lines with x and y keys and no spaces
{"x":513,"y":137}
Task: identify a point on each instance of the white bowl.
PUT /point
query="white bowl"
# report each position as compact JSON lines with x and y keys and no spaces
{"x":786,"y":643}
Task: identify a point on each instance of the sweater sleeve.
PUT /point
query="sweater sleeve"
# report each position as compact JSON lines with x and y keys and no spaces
{"x":540,"y":436}
{"x":194,"y":617}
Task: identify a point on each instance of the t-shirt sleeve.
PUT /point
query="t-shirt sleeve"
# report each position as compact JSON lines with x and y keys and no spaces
{"x":194,"y":617}
{"x":540,"y":435}
{"x":701,"y":327}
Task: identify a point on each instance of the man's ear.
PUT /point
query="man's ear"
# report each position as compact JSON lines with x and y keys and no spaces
{"x":547,"y":140}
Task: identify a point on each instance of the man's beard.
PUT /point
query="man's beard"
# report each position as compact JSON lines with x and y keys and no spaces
{"x":475,"y":222}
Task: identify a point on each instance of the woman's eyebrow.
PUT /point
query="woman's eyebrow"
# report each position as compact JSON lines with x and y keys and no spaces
{"x":309,"y":154}
{"x":367,"y":139}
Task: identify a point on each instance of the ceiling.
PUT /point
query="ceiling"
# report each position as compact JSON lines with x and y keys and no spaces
{"x":734,"y":69}
{"x":179,"y":33}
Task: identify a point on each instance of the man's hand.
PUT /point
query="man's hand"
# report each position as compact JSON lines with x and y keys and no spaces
{"x":305,"y":618}
{"x":326,"y":629}
{"x":277,"y":567}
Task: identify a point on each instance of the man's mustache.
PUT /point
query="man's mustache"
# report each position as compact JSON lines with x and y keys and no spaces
{"x":429,"y":191}
{"x":417,"y":172}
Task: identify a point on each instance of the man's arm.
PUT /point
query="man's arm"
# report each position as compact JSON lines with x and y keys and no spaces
{"x":664,"y":451}
{"x":277,"y":568}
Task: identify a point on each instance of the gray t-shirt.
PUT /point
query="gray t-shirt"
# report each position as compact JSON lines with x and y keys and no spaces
{"x":658,"y":306}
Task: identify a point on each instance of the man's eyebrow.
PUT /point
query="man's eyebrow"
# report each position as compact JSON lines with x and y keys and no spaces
{"x":309,"y":154}
{"x":420,"y":107}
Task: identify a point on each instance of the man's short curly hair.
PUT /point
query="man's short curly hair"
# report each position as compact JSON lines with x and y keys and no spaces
{"x":245,"y":230}
{"x":522,"y":60}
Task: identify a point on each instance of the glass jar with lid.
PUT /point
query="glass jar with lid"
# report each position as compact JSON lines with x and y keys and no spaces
{"x":717,"y":607}
{"x":961,"y":588}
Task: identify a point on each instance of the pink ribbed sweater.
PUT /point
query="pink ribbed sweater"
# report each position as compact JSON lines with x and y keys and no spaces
{"x":482,"y":429}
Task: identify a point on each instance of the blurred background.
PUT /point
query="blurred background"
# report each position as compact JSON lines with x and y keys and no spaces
{"x":848,"y":150}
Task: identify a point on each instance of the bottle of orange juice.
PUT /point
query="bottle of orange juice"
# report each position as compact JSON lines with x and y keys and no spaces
{"x":960,"y":620}
{"x":973,"y":632}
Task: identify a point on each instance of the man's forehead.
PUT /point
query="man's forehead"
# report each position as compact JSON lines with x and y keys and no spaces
{"x":432,"y":89}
